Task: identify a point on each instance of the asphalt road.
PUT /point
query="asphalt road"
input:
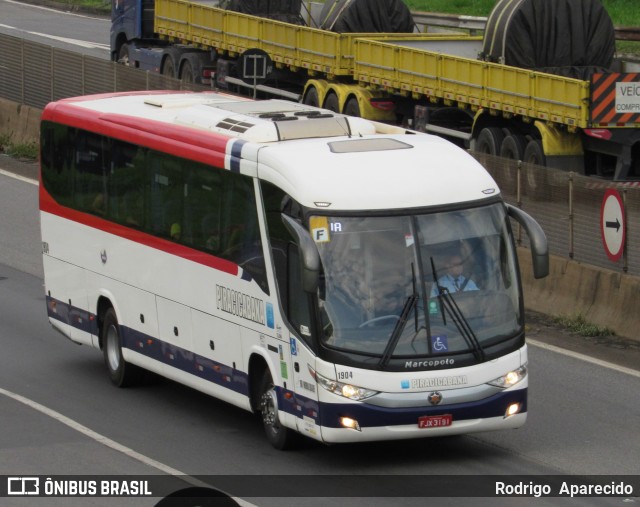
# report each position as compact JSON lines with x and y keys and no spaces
{"x":82,"y":33}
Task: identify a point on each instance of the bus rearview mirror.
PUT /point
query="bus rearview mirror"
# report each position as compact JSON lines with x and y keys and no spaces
{"x":310,"y":265}
{"x":537,"y":240}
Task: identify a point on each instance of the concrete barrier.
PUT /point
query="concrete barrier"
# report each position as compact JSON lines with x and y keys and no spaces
{"x":20,"y":122}
{"x":604,"y":297}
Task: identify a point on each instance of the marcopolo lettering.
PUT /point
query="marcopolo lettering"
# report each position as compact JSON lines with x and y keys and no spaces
{"x":240,"y":304}
{"x":430,"y":363}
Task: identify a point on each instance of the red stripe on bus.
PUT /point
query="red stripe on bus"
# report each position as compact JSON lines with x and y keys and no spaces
{"x":49,"y":205}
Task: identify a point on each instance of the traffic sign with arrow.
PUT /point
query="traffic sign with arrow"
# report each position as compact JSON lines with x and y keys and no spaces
{"x":612,"y":224}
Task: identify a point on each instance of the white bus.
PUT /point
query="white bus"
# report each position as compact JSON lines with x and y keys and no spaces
{"x":288,"y":260}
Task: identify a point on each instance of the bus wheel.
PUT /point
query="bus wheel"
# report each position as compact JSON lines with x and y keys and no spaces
{"x":121,"y":373}
{"x":280,"y":437}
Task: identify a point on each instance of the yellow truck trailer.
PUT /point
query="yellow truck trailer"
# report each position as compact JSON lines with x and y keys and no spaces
{"x":428,"y":82}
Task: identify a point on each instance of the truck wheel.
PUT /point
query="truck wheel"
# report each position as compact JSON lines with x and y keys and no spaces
{"x":187,"y":74}
{"x":123,"y":55}
{"x":489,"y":141}
{"x":331,"y":103}
{"x":536,"y":176}
{"x":534,"y":153}
{"x":311,"y":98}
{"x":512,"y":148}
{"x":352,"y":108}
{"x":168,"y":67}
{"x":278,"y":436}
{"x":121,"y":373}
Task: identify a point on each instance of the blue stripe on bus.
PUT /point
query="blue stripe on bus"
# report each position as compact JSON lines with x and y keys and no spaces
{"x":325,"y":414}
{"x":71,"y":315}
{"x":185,"y":360}
{"x":236,"y":155}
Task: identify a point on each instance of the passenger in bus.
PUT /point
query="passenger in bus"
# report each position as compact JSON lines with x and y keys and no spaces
{"x":176,"y":232}
{"x":453,"y":280}
{"x":98,"y":206}
{"x":134,"y":206}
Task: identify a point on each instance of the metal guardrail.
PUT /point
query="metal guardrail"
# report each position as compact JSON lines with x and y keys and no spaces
{"x":35,"y":74}
{"x":567,"y":205}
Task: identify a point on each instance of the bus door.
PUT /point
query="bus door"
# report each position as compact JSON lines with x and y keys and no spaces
{"x":302,"y":356}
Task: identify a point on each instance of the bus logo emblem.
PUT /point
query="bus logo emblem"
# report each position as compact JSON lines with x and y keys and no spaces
{"x":435,"y":398}
{"x":103,"y":256}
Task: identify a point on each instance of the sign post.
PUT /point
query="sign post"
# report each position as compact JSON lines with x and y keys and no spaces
{"x":612,"y":224}
{"x":255,"y":67}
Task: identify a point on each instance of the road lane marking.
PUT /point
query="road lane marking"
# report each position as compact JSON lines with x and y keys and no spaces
{"x":76,"y":42}
{"x":18,"y":177}
{"x":67,"y":40}
{"x":584,"y":357}
{"x":101,"y":439}
{"x":57,"y":11}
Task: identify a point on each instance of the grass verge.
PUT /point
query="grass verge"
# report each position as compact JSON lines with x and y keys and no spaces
{"x":580,"y":325}
{"x":27,"y":151}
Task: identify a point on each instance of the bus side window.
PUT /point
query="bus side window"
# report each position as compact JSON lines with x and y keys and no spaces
{"x":89,"y":191}
{"x":125,"y":184}
{"x":55,"y":154}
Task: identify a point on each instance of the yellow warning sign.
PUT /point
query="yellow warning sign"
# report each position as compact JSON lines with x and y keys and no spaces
{"x":319,"y":229}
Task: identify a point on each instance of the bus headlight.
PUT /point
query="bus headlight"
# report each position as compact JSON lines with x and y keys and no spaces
{"x":345,"y":390}
{"x":511,"y":378}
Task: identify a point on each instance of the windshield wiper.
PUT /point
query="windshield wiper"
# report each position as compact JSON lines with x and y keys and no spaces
{"x":397,"y":330}
{"x":458,"y":318}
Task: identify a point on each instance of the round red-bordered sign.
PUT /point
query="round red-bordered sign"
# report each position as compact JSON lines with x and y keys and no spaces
{"x":612,"y":224}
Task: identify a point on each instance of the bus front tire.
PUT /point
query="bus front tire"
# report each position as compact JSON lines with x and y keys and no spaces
{"x":278,"y":436}
{"x":121,"y":373}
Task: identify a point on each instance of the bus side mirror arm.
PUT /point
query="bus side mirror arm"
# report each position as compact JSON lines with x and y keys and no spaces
{"x":537,"y":239}
{"x":309,"y":253}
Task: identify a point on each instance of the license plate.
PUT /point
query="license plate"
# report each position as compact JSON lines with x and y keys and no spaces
{"x":435,"y":421}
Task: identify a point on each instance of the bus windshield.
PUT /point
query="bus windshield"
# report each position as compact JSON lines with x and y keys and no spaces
{"x":418,"y":285}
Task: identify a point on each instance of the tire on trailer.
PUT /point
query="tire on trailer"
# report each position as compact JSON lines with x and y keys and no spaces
{"x":489,"y":141}
{"x":331,"y":103}
{"x":536,"y":178}
{"x":512,"y":148}
{"x":352,"y":108}
{"x":278,"y":436}
{"x":187,"y":73}
{"x":311,"y":97}
{"x":121,"y":373}
{"x":534,"y":153}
